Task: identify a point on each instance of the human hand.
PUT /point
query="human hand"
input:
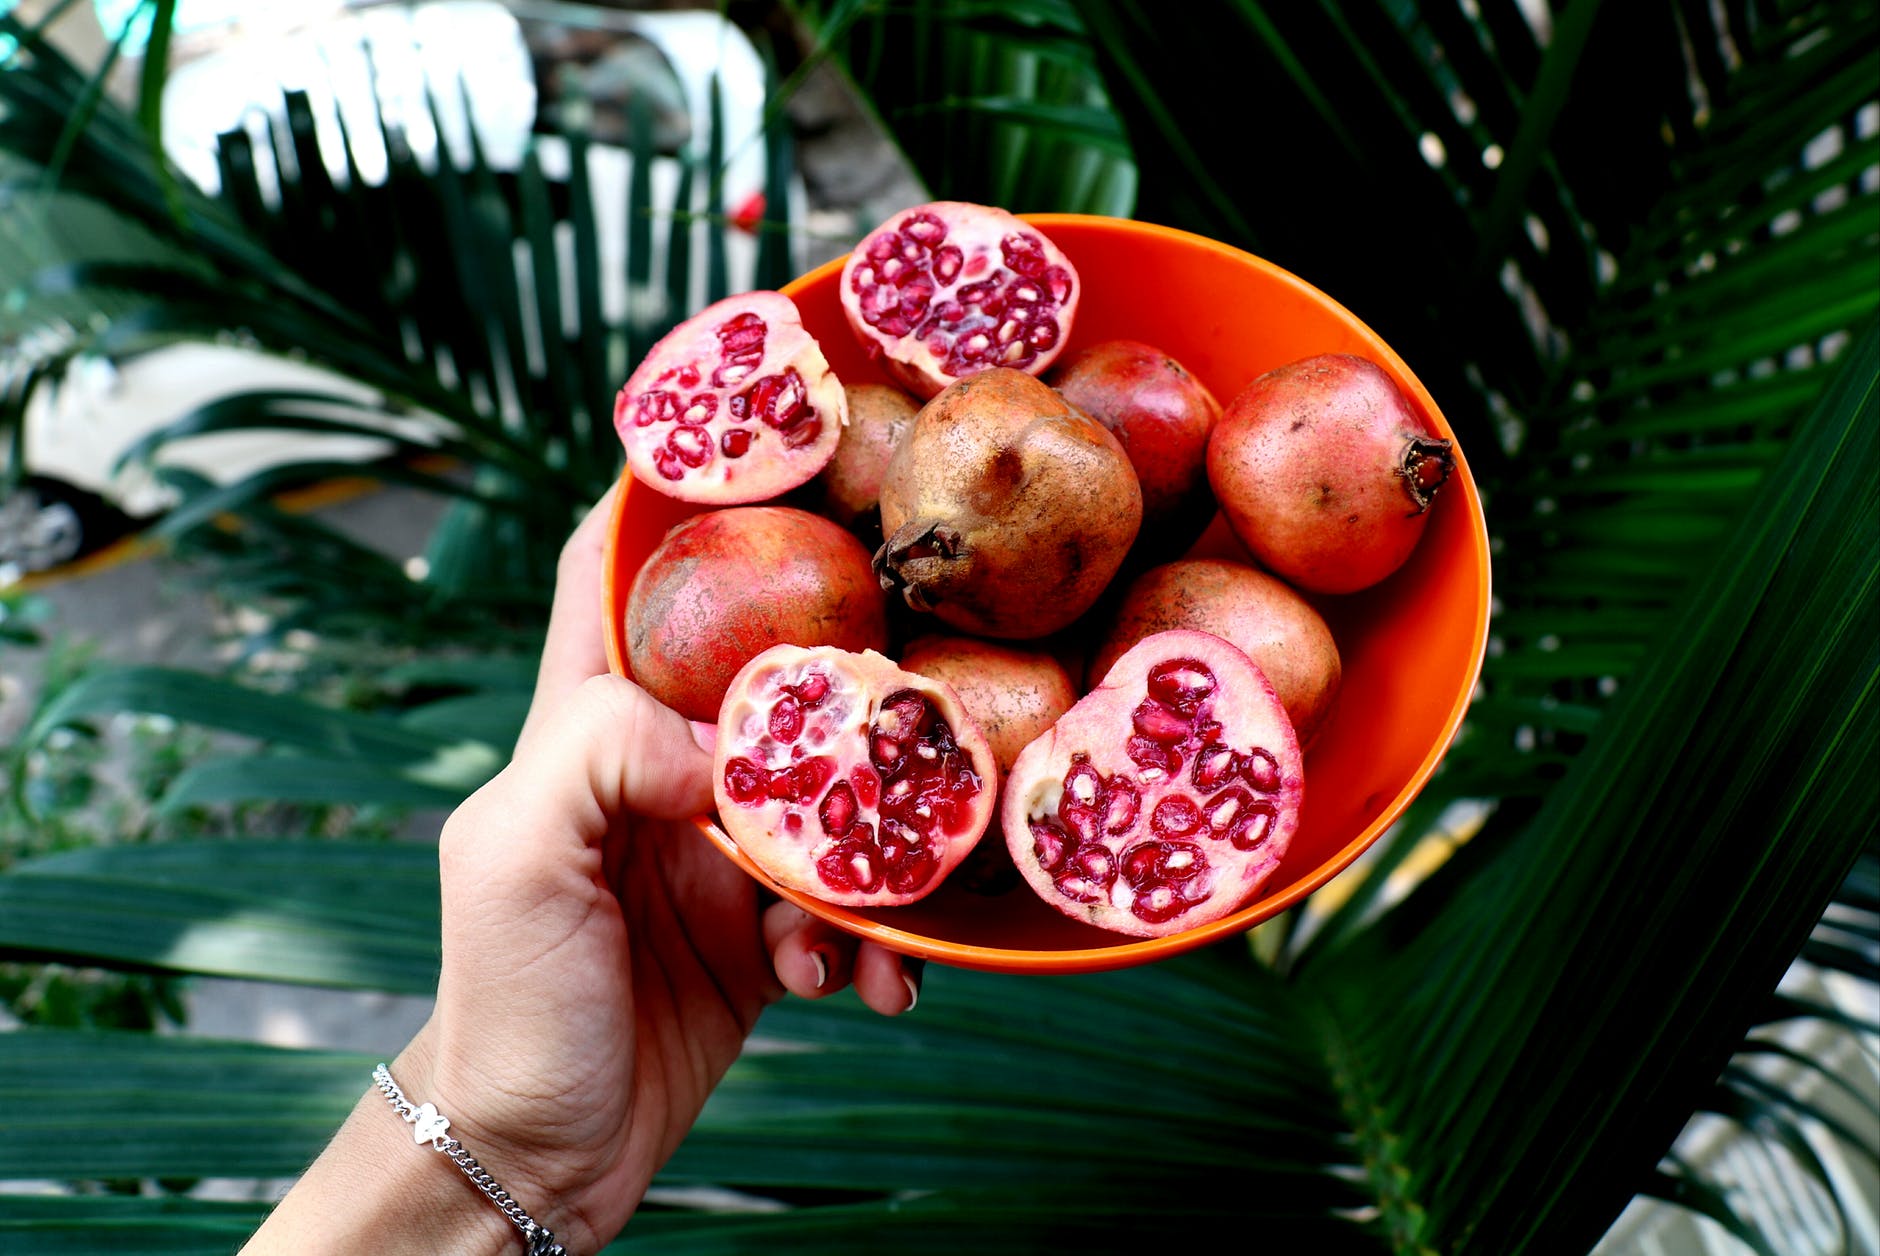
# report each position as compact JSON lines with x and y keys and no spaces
{"x":603,"y":962}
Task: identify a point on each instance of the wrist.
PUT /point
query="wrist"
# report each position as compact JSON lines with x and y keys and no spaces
{"x":373,"y":1189}
{"x":509,"y":1162}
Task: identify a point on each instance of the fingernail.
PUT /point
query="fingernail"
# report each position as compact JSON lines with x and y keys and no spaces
{"x":822,"y":968}
{"x":911,"y":970}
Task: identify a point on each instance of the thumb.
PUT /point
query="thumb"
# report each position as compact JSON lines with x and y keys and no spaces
{"x":608,"y":750}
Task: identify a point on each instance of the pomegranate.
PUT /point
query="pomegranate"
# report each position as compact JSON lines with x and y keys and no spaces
{"x":1326,"y":470}
{"x":879,"y":416}
{"x":736,"y":404}
{"x":1006,"y":509}
{"x":844,"y":777}
{"x":1278,"y":629}
{"x":724,"y":585}
{"x":1163,"y":417}
{"x":1165,"y":797}
{"x":1013,"y":694}
{"x":948,"y":288}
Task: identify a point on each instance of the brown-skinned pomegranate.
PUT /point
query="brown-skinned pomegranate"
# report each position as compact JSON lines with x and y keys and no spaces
{"x":1163,"y":416}
{"x":1006,"y":509}
{"x":1165,"y":798}
{"x":844,"y":777}
{"x":723,"y":585}
{"x":879,"y":416}
{"x":1326,"y":471}
{"x":736,"y":404}
{"x":1278,"y":629}
{"x":949,"y":288}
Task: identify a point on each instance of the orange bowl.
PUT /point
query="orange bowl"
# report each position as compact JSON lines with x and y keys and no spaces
{"x":1411,"y":646}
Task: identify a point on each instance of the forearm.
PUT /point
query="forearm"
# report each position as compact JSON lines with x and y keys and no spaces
{"x":374,"y":1189}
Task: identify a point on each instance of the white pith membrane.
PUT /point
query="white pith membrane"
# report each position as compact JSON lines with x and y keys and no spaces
{"x":790,"y":839}
{"x":736,"y":404}
{"x":1237,"y":827}
{"x":949,"y":289}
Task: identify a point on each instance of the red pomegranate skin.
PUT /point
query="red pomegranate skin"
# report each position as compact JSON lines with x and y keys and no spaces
{"x":1266,"y":617}
{"x":1163,"y":416}
{"x":1326,"y":471}
{"x":1165,"y":798}
{"x":724,"y":585}
{"x":847,"y":778}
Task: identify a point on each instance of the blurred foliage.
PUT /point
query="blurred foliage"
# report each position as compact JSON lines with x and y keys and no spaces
{"x":1635,"y":252}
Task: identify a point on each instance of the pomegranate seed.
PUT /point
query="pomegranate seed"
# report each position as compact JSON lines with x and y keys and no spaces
{"x":1125,"y":801}
{"x":1261,"y":770}
{"x":1050,"y":843}
{"x":808,"y":777}
{"x":691,"y":445}
{"x":1214,"y":764}
{"x":1160,"y":723}
{"x":745,"y":782}
{"x":838,"y":810}
{"x":1251,"y":829}
{"x":1226,"y":807}
{"x":812,"y":689}
{"x":1181,"y":684}
{"x":866,"y":784}
{"x":1175,"y":816}
{"x":786,"y":719}
{"x":1153,"y":756}
{"x":736,"y":443}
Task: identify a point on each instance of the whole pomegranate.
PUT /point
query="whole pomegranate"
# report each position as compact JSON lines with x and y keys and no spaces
{"x":1006,"y":509}
{"x":736,"y":404}
{"x":724,"y":585}
{"x":879,"y":416}
{"x":948,"y":288}
{"x":1275,"y":627}
{"x":1325,"y":471}
{"x":1013,"y":694}
{"x":1163,"y":417}
{"x":844,"y":777}
{"x":1165,"y":798}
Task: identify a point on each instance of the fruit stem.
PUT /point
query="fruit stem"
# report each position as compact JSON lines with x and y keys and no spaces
{"x":1426,"y":465}
{"x":918,"y":559}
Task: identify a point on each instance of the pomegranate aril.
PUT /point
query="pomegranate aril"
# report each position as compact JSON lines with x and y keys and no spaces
{"x":690,"y":445}
{"x":1153,"y":756}
{"x":913,"y":871}
{"x":808,"y":777}
{"x":745,"y":782}
{"x":1159,"y":905}
{"x":1050,"y":843}
{"x":1253,"y":826}
{"x":1226,"y":807}
{"x":1125,"y":801}
{"x":851,"y":867}
{"x":1160,"y":723}
{"x":1175,"y":816}
{"x":867,"y":785}
{"x":1261,"y":770}
{"x":1214,"y":765}
{"x":736,"y":443}
{"x":838,"y":810}
{"x":786,"y":719}
{"x":1181,"y":684}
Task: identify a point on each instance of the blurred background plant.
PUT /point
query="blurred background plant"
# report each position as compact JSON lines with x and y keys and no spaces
{"x":1635,"y":251}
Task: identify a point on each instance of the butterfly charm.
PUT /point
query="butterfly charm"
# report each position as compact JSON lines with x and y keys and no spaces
{"x":428,"y":1124}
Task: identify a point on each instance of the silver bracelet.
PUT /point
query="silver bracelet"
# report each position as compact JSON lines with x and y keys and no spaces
{"x":429,"y":1127}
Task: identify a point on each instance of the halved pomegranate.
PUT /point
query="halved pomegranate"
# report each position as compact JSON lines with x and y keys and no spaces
{"x":1165,"y":798}
{"x":846,"y":778}
{"x":736,"y":404}
{"x":949,"y":288}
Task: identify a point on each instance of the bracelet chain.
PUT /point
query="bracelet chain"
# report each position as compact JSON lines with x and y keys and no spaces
{"x":540,"y":1239}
